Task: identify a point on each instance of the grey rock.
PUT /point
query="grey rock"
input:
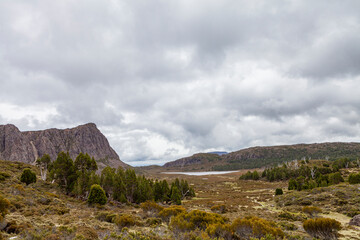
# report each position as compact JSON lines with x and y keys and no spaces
{"x":355,"y":220}
{"x":28,"y":146}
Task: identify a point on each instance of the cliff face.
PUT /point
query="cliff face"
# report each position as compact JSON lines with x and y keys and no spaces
{"x":28,"y":146}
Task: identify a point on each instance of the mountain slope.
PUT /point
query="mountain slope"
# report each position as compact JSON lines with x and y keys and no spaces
{"x":266,"y":156}
{"x":28,"y":146}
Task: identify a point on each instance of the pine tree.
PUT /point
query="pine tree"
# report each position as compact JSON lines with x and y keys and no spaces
{"x":175,"y":195}
{"x":108,"y":180}
{"x":63,"y":171}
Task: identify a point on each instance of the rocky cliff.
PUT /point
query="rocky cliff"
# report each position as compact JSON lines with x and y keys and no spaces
{"x":28,"y":146}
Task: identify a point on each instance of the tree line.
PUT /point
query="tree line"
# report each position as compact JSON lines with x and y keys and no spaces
{"x":77,"y":177}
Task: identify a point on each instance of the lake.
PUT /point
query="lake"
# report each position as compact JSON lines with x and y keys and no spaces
{"x":201,"y":173}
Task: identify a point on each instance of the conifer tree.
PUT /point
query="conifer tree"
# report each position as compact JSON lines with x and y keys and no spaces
{"x":63,"y":171}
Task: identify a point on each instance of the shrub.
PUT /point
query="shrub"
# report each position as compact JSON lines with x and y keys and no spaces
{"x":124,"y":220}
{"x":4,"y":206}
{"x":28,"y":176}
{"x":195,"y":219}
{"x":335,"y":178}
{"x":322,"y":228}
{"x":279,"y":191}
{"x":254,"y":227}
{"x":151,"y":208}
{"x":97,"y":195}
{"x":106,"y":217}
{"x":354,"y":178}
{"x":311,"y":210}
{"x":167,"y":213}
{"x":3,"y":176}
{"x":221,"y":208}
{"x":219,"y":231}
{"x":151,"y":222}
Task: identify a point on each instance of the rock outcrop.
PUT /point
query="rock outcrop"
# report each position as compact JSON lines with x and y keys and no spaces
{"x":28,"y":146}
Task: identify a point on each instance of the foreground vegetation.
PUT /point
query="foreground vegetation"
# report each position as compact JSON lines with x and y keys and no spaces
{"x":224,"y":207}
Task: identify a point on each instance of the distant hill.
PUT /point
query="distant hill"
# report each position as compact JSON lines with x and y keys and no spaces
{"x":28,"y":146}
{"x":256,"y":157}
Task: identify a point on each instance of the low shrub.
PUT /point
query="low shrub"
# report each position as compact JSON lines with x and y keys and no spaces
{"x":28,"y":176}
{"x":196,"y":219}
{"x":322,"y":228}
{"x":106,"y":217}
{"x":167,"y":213}
{"x":97,"y":195}
{"x":151,"y":222}
{"x":291,"y":217}
{"x":219,"y":231}
{"x":354,"y":178}
{"x":151,"y":208}
{"x":279,"y":191}
{"x":124,"y":220}
{"x":4,"y":176}
{"x":245,"y":228}
{"x":221,"y":208}
{"x":4,"y":207}
{"x":311,"y":210}
{"x":86,"y":233}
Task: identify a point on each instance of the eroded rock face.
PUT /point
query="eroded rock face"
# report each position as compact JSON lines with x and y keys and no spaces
{"x":28,"y":146}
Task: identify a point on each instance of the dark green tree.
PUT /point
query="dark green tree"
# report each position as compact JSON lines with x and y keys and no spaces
{"x":63,"y":171}
{"x":108,"y":180}
{"x":28,"y":176}
{"x":175,"y":195}
{"x":119,"y":186}
{"x":131,"y":185}
{"x":84,"y":166}
{"x":97,"y":195}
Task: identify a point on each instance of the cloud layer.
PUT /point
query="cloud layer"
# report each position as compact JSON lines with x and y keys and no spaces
{"x":165,"y":79}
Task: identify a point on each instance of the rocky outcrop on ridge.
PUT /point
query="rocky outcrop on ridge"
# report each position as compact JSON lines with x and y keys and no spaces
{"x":28,"y":146}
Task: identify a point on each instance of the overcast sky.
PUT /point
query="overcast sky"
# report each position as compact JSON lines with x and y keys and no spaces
{"x":164,"y":79}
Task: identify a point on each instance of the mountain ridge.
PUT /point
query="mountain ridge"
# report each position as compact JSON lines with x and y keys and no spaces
{"x":262,"y":156}
{"x":27,"y":146}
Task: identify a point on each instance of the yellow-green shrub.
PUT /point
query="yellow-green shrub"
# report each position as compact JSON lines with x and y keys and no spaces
{"x":311,"y":210}
{"x":254,"y":227}
{"x":106,"y":217}
{"x":167,"y":213}
{"x":221,"y":208}
{"x":125,"y":220}
{"x":195,"y":219}
{"x":219,"y":231}
{"x":323,"y":228}
{"x":4,"y":205}
{"x":151,"y":208}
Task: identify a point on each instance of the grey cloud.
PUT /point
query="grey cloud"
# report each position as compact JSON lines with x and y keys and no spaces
{"x":166,"y":79}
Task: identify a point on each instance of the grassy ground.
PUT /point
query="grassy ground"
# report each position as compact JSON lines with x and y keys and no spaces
{"x":42,"y":211}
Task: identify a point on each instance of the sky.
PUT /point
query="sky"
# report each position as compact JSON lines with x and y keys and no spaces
{"x":165,"y":79}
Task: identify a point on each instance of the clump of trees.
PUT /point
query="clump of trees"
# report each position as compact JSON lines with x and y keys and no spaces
{"x":250,"y":176}
{"x":28,"y":176}
{"x":77,"y":177}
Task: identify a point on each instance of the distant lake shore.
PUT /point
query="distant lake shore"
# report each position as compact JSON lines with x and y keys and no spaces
{"x":201,"y":173}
